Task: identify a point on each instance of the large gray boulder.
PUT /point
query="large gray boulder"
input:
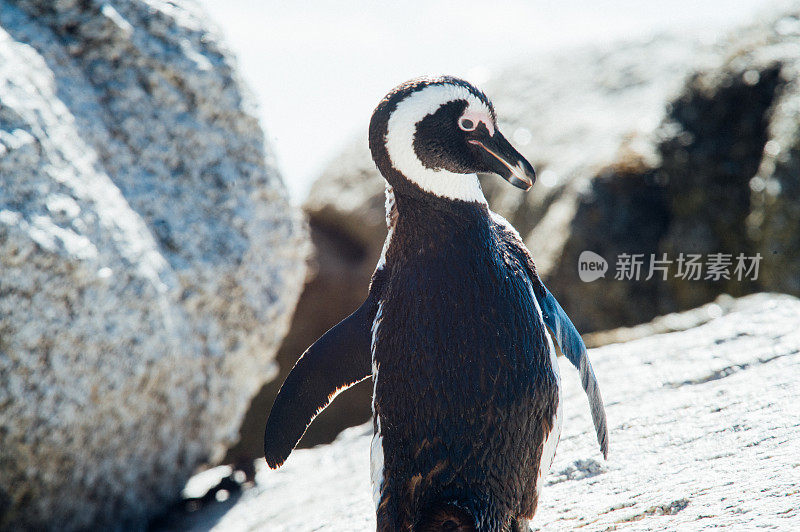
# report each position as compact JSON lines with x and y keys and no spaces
{"x":703,"y":430}
{"x":149,"y":258}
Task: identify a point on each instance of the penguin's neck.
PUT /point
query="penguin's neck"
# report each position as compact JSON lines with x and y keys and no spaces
{"x":426,"y":219}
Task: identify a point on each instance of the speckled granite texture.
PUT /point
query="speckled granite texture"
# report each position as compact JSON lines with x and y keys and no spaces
{"x":149,"y":258}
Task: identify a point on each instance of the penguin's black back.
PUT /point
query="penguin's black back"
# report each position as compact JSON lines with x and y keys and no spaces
{"x":465,"y":394}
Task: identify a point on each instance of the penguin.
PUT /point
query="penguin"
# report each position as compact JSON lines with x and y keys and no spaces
{"x":456,"y":331}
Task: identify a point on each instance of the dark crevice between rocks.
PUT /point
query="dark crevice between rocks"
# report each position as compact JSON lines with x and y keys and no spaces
{"x":346,"y":247}
{"x":671,"y":508}
{"x":578,"y":470}
{"x":5,"y":504}
{"x":727,"y":371}
{"x":217,"y":500}
{"x":336,"y":285}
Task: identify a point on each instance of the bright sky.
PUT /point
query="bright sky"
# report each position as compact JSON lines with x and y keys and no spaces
{"x":319,"y":67}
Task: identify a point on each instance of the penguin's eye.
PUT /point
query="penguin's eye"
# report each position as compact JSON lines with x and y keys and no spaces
{"x":467,"y":124}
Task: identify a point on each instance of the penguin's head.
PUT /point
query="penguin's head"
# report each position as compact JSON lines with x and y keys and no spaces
{"x":435,"y":134}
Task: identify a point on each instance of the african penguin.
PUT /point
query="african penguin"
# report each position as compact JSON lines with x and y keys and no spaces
{"x":454,"y":331}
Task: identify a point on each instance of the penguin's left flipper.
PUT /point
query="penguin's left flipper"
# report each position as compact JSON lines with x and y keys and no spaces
{"x":574,"y":349}
{"x":338,"y":360}
{"x":556,"y":319}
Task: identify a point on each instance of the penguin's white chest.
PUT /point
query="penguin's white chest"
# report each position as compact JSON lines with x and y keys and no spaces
{"x":376,"y":448}
{"x":551,"y":440}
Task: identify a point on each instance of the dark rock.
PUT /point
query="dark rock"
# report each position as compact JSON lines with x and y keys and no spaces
{"x":714,"y":141}
{"x":337,"y":282}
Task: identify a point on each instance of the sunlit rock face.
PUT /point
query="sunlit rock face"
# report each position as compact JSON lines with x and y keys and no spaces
{"x":702,"y":433}
{"x":149,"y":259}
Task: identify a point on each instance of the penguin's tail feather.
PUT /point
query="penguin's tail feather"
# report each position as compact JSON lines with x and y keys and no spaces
{"x":446,"y":517}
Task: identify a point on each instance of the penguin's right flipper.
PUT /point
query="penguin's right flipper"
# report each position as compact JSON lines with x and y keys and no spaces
{"x":574,"y":349}
{"x":338,"y":360}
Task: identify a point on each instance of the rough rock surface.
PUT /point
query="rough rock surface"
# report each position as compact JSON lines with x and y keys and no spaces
{"x":672,"y":322}
{"x":150,"y":259}
{"x":738,"y":173}
{"x":703,"y":433}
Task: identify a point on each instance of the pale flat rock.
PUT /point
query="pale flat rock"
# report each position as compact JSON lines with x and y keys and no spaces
{"x":703,"y":434}
{"x":672,"y":322}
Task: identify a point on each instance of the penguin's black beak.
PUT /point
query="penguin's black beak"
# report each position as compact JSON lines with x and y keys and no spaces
{"x":501,"y":158}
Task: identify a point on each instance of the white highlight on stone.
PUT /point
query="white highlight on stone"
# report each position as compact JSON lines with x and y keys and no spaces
{"x":548,"y":178}
{"x":522,"y":136}
{"x":400,"y":142}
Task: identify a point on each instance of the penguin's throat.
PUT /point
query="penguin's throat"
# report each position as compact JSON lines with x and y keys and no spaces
{"x":426,"y":220}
